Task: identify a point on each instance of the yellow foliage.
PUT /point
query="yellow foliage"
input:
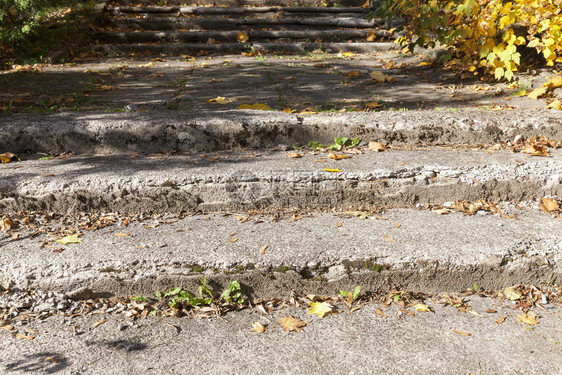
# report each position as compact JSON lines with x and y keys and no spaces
{"x":473,"y":27}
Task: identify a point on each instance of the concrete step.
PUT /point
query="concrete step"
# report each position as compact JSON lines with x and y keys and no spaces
{"x":198,"y":23}
{"x":243,"y":3}
{"x":228,"y":48}
{"x":237,"y":11}
{"x":310,"y":254}
{"x":269,"y":180}
{"x":192,"y":131}
{"x":230,"y":36}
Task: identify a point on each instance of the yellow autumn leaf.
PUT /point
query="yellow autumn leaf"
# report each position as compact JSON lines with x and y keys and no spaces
{"x":422,"y":307}
{"x":554,"y":82}
{"x":147,"y":65}
{"x":289,"y":324}
{"x":221,"y":100}
{"x":69,"y":239}
{"x":258,"y":327}
{"x":535,"y":150}
{"x":367,"y":4}
{"x":8,"y":157}
{"x":555,"y":104}
{"x":320,"y":309}
{"x":255,"y":106}
{"x":371,"y":36}
{"x":381,"y":77}
{"x":242,"y":37}
{"x":424,"y":63}
{"x":372,"y":105}
{"x":333,"y":170}
{"x":527,"y":319}
{"x":538,"y":93}
{"x":289,"y":110}
{"x":335,"y":156}
{"x":353,"y":73}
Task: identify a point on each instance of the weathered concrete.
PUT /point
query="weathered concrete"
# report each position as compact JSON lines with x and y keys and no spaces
{"x":415,"y":249}
{"x":238,"y":181}
{"x":358,"y":343}
{"x":162,"y":131}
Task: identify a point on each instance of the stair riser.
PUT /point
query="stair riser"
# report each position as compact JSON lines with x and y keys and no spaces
{"x":243,"y":3}
{"x":181,"y":49}
{"x":237,"y":11}
{"x":161,"y":24}
{"x":230,"y":36}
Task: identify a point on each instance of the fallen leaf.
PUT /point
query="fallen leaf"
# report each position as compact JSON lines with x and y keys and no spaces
{"x":292,"y":324}
{"x":372,"y":105}
{"x":8,"y":157}
{"x":332,"y":170}
{"x":379,"y":312}
{"x":461,"y":333}
{"x":107,"y":88}
{"x":491,"y":311}
{"x":527,"y":319}
{"x":213,"y":159}
{"x":255,"y":106}
{"x":371,"y":36}
{"x":320,"y":309}
{"x":555,"y":104}
{"x":221,"y":100}
{"x":424,"y":63}
{"x":147,"y":65}
{"x":407,"y":312}
{"x":512,"y":293}
{"x":547,"y":205}
{"x":338,"y":224}
{"x":242,"y":37}
{"x":24,"y":337}
{"x":122,"y":234}
{"x":69,"y":239}
{"x":258,"y":327}
{"x":294,"y":155}
{"x":51,"y":359}
{"x":397,"y":225}
{"x":46,"y":175}
{"x":96,"y":324}
{"x":263,"y":249}
{"x":388,"y":239}
{"x":353,"y":73}
{"x":538,"y":93}
{"x":422,"y":307}
{"x":233,"y":240}
{"x":554,"y":82}
{"x":535,"y":150}
{"x":31,"y":330}
{"x":377,"y":146}
{"x":334,"y":156}
{"x":381,"y":77}
{"x":500,"y":320}
{"x":6,"y":224}
{"x":8,"y":327}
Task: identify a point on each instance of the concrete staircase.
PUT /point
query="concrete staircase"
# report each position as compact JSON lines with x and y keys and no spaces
{"x":237,"y":26}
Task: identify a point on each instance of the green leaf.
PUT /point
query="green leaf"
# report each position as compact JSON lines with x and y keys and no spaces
{"x":233,"y":293}
{"x":140,"y":299}
{"x":158,"y":294}
{"x":172,"y":292}
{"x":475,"y":287}
{"x":314,"y":145}
{"x":354,"y":142}
{"x":356,"y":292}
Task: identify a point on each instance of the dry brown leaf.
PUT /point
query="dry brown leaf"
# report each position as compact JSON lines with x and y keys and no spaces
{"x":289,"y":324}
{"x":371,"y":36}
{"x":122,"y":234}
{"x":107,"y":88}
{"x":500,"y":320}
{"x":338,"y":224}
{"x":263,"y":249}
{"x":461,"y":333}
{"x":397,"y":225}
{"x":96,"y":324}
{"x":491,"y":311}
{"x":294,"y":155}
{"x":212,"y":159}
{"x":258,"y":327}
{"x":353,"y":73}
{"x":535,"y":150}
{"x":381,"y":77}
{"x":233,"y":240}
{"x":377,"y":146}
{"x":24,"y":337}
{"x":8,"y":327}
{"x":51,"y":359}
{"x":6,"y":224}
{"x":547,"y":205}
{"x":379,"y":312}
{"x":388,"y":239}
{"x":338,"y":157}
{"x":407,"y":312}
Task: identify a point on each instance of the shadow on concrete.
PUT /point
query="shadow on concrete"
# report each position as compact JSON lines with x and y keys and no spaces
{"x":39,"y":363}
{"x":131,"y":345}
